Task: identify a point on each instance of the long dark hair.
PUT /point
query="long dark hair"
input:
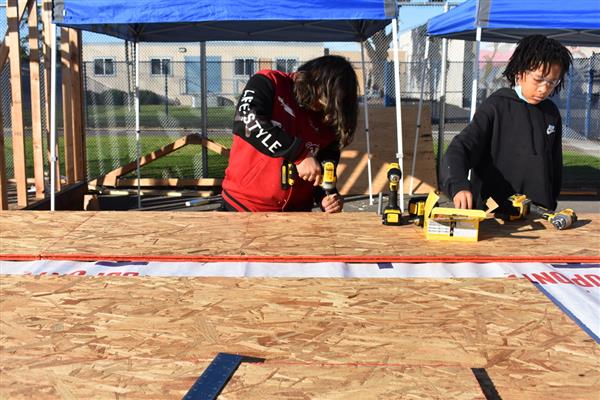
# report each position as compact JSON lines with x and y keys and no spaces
{"x":333,"y":79}
{"x":535,"y":51}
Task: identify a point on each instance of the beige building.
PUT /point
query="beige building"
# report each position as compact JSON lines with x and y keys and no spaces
{"x":173,"y":69}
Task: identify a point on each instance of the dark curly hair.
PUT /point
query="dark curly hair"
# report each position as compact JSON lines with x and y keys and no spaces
{"x":333,"y":79}
{"x":537,"y":51}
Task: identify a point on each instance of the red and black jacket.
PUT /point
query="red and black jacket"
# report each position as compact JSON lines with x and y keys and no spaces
{"x":271,"y":128}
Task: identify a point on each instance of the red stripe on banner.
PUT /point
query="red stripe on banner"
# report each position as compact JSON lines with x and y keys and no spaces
{"x":20,"y":257}
{"x":302,"y":259}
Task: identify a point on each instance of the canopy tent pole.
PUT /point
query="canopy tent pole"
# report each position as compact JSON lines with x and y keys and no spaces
{"x":400,"y":154}
{"x":419,"y":109}
{"x":204,"y":107}
{"x":138,"y":150}
{"x":53,"y":159}
{"x":366,"y":107}
{"x":475,"y":85}
{"x":442,"y":101}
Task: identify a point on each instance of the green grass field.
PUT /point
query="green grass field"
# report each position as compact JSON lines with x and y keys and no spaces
{"x":107,"y":152}
{"x":155,"y":116}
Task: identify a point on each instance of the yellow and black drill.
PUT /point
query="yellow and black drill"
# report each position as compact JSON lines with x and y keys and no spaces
{"x":416,"y":209}
{"x":523,"y":206}
{"x":329,"y":178}
{"x":392,"y":214}
{"x":560,"y":219}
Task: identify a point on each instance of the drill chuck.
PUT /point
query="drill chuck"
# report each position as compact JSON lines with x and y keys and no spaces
{"x":563,"y":219}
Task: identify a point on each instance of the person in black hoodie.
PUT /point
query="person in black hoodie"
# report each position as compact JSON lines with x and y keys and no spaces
{"x":513,"y":144}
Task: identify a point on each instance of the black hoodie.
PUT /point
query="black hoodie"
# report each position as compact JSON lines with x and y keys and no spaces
{"x":512,"y":147}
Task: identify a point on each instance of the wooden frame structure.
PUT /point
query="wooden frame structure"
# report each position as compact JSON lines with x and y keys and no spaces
{"x":112,"y":178}
{"x":74,"y":156}
{"x":71,"y":72}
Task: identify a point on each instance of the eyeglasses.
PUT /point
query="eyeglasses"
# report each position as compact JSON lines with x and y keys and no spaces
{"x":539,"y":81}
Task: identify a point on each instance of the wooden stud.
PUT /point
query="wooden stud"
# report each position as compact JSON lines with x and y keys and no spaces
{"x":36,"y":103}
{"x":3,"y":180}
{"x":169,"y":182}
{"x":65,"y":63}
{"x":4,"y":44}
{"x":18,"y":124}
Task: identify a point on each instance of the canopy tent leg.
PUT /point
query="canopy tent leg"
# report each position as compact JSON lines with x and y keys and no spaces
{"x":475,"y":84}
{"x":442,"y":103}
{"x":53,"y":159}
{"x":204,"y":95}
{"x":138,"y":149}
{"x":367,"y":133}
{"x":419,"y":109}
{"x":400,"y":154}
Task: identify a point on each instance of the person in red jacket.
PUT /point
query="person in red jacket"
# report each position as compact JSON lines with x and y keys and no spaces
{"x":302,"y":118}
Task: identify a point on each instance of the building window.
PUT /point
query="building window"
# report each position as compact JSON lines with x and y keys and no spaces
{"x":286,"y":64}
{"x":244,"y":66}
{"x":160,"y":66}
{"x":104,"y":67}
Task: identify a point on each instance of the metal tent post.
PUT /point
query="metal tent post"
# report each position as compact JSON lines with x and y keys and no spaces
{"x":204,"y":109}
{"x":400,"y":154}
{"x":53,"y":171}
{"x":442,"y":101}
{"x":138,"y":149}
{"x":367,"y":133}
{"x":419,"y":109}
{"x":475,"y":83}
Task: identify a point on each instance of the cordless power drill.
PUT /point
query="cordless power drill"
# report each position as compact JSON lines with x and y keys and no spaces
{"x":392,"y":214}
{"x":329,"y":178}
{"x":416,"y":209}
{"x":523,"y":206}
{"x":560,"y":219}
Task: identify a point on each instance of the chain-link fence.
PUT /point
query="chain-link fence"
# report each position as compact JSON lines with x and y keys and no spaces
{"x":171,"y":79}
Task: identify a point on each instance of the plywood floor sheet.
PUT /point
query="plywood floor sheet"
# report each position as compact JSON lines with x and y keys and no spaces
{"x":212,"y":236}
{"x":150,"y":338}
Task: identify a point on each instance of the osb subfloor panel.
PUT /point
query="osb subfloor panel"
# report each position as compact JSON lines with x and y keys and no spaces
{"x":141,"y":338}
{"x":304,"y":236}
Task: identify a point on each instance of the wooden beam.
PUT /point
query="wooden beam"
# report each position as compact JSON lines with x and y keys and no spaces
{"x":65,"y":63}
{"x":79,"y":153}
{"x":4,"y":45}
{"x":169,"y":182}
{"x":110,"y":179}
{"x":3,"y":180}
{"x":216,"y":147}
{"x":36,"y":103}
{"x":47,"y":32}
{"x":17,"y":122}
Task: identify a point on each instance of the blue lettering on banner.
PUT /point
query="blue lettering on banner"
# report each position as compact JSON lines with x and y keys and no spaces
{"x":577,"y":266}
{"x":120,"y":263}
{"x":385,"y":265}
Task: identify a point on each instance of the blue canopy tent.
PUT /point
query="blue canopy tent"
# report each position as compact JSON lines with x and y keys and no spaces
{"x":574,"y":22}
{"x":209,"y":20}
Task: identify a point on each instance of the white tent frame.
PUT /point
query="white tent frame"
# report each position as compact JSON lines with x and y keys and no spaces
{"x":399,"y":154}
